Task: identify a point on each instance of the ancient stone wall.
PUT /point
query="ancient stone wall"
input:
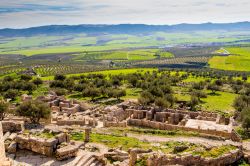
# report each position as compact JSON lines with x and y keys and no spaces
{"x":12,"y":126}
{"x":226,"y":159}
{"x":165,"y":126}
{"x":2,"y":149}
{"x":84,"y":122}
{"x":41,"y":145}
{"x":114,"y":124}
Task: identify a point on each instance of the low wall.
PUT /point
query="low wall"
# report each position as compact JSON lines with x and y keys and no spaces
{"x":41,"y":145}
{"x":186,"y":160}
{"x":114,"y":124}
{"x":87,"y":122}
{"x":164,"y":126}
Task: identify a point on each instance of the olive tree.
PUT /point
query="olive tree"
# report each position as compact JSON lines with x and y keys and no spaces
{"x":34,"y":110}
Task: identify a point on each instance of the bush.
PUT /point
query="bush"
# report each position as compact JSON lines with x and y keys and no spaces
{"x":26,"y":77}
{"x":37,"y":81}
{"x":59,"y":77}
{"x":4,"y":107}
{"x":60,"y":91}
{"x":34,"y":110}
{"x":11,"y":94}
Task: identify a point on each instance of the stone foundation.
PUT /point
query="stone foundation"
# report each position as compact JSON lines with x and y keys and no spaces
{"x":41,"y":145}
{"x":226,"y":159}
{"x":164,"y":126}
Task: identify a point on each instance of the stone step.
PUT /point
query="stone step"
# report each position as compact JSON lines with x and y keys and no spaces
{"x":84,"y":159}
{"x":95,"y":163}
{"x":91,"y":160}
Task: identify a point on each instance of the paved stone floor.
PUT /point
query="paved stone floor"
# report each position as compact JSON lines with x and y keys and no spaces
{"x":27,"y":158}
{"x":193,"y":123}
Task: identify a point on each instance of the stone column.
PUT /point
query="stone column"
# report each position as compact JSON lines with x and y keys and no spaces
{"x":87,"y":134}
{"x":132,"y":157}
{"x":2,"y":149}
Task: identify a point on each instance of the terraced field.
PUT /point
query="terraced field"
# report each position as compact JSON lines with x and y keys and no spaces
{"x":239,"y":59}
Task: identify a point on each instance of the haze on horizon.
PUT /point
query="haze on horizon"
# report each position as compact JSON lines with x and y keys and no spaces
{"x":30,"y":13}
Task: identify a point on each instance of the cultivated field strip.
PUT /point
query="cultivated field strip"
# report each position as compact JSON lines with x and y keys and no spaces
{"x":173,"y":61}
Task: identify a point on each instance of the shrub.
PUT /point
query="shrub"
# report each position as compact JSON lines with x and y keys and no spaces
{"x":11,"y":94}
{"x":4,"y":107}
{"x":34,"y":110}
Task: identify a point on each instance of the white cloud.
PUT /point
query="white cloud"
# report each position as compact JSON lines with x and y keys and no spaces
{"x":121,"y":11}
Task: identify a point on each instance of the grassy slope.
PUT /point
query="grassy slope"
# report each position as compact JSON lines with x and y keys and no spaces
{"x":239,"y":60}
{"x":221,"y":102}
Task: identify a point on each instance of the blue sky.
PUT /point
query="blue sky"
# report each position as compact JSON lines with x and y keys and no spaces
{"x":29,"y":13}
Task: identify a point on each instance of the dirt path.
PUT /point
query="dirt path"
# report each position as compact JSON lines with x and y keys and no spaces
{"x":196,"y":140}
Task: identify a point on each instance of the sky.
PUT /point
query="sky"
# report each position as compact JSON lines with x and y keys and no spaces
{"x":31,"y":13}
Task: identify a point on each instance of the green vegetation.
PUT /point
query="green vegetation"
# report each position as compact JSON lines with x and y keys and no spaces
{"x":135,"y":130}
{"x":114,"y":141}
{"x":239,"y":60}
{"x":215,"y":151}
{"x":34,"y":110}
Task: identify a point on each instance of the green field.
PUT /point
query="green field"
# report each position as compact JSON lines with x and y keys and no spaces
{"x":43,"y":44}
{"x":129,"y":55}
{"x":238,"y":60}
{"x":219,"y":102}
{"x":109,"y":72}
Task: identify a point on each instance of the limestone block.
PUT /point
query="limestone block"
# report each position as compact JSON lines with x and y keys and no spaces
{"x":12,"y":147}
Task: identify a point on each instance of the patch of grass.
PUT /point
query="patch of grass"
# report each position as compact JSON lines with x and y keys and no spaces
{"x":221,"y":102}
{"x":158,"y":132}
{"x":239,"y":60}
{"x":215,"y":151}
{"x":113,"y":141}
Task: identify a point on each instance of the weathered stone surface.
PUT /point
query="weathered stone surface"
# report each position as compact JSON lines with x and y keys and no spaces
{"x":41,"y":145}
{"x":12,"y":147}
{"x":66,"y":152}
{"x":2,"y":148}
{"x":226,"y":159}
{"x":10,"y":126}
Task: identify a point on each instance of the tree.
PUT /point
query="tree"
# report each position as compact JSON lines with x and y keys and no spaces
{"x":91,"y":92}
{"x":198,"y":86}
{"x":193,"y":103}
{"x":245,"y":118}
{"x":236,"y":88}
{"x":241,"y":102}
{"x":29,"y":86}
{"x":244,"y":77}
{"x":59,"y":77}
{"x":26,"y":77}
{"x":69,"y":84}
{"x":4,"y":107}
{"x":8,"y":79}
{"x":213,"y":88}
{"x":162,"y":103}
{"x":11,"y":94}
{"x":60,"y":91}
{"x":199,"y":94}
{"x":119,"y":93}
{"x":38,"y":81}
{"x":34,"y":110}
{"x":146,"y":98}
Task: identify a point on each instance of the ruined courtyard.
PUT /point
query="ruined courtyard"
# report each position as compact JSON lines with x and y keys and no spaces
{"x":66,"y":139}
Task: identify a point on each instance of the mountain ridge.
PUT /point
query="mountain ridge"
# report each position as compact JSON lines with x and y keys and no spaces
{"x":121,"y":28}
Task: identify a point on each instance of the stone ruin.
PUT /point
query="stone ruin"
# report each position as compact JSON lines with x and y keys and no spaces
{"x":189,"y":159}
{"x":170,"y":119}
{"x":4,"y":161}
{"x":59,"y":146}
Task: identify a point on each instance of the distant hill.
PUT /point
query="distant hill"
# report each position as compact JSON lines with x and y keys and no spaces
{"x":122,"y":29}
